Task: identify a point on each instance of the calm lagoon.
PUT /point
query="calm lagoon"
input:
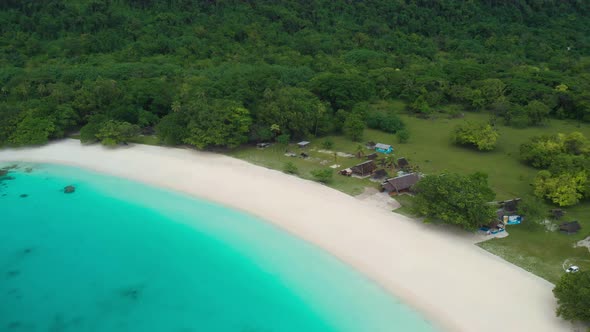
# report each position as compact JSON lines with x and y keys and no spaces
{"x":118,"y":255}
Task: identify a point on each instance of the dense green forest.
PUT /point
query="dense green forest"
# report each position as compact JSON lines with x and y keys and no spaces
{"x":222,"y":73}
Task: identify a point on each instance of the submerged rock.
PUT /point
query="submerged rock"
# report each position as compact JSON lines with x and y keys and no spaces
{"x":12,"y":273}
{"x":24,"y":195}
{"x":69,"y":189}
{"x":14,"y":325}
{"x":132,"y":292}
{"x":27,"y":251}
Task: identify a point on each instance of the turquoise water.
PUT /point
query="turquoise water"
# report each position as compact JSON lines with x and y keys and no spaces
{"x":122,"y":256}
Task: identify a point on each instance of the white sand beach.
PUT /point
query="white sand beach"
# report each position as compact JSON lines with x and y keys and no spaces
{"x":455,"y":284}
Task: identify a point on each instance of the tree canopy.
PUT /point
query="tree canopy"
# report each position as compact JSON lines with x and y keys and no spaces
{"x":573,"y":296}
{"x":455,"y":199}
{"x":304,"y":66}
{"x":481,"y":136}
{"x":565,"y":160}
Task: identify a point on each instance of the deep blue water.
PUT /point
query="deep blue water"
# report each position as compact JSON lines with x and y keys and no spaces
{"x":118,"y":256}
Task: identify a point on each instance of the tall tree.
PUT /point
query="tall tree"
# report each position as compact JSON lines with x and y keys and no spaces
{"x":354,"y":127}
{"x":573,"y":296}
{"x":482,"y":136}
{"x":217,"y":123}
{"x":455,"y":199}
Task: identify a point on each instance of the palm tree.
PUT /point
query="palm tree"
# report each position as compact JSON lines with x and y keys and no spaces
{"x":176,"y":106}
{"x":360,"y":151}
{"x":388,"y":162}
{"x":276,"y":130}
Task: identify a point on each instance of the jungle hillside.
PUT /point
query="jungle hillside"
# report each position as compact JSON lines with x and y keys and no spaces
{"x":217,"y":74}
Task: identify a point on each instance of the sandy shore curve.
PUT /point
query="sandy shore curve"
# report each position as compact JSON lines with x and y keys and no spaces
{"x":456,"y":285}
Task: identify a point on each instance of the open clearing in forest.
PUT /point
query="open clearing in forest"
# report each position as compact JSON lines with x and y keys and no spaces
{"x":429,"y":147}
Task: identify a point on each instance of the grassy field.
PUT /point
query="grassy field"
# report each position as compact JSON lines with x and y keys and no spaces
{"x":533,"y":248}
{"x":274,"y":157}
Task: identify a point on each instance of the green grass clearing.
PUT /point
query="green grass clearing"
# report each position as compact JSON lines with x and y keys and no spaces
{"x":533,"y":248}
{"x":274,"y":157}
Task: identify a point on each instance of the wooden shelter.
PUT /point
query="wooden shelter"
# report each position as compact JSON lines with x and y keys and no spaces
{"x":570,"y":227}
{"x":365,"y":168}
{"x":510,"y":206}
{"x":557,"y":213}
{"x":379,"y":175}
{"x":402,"y":163}
{"x":372,"y":156}
{"x":401,"y":183}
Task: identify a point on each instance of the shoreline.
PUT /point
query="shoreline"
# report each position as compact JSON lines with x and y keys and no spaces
{"x":454,"y":284}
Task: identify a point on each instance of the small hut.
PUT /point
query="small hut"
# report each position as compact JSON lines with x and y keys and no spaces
{"x":402,"y":163}
{"x":303,"y":144}
{"x":364,"y":169}
{"x":383,"y":148}
{"x":571,"y":227}
{"x":372,"y":156}
{"x":379,"y":175}
{"x":511,"y":206}
{"x":557,"y":213}
{"x":401,"y":183}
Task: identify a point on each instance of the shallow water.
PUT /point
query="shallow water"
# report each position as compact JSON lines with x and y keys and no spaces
{"x":117,"y":255}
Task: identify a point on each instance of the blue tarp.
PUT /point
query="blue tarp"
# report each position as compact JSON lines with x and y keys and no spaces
{"x":512,"y":220}
{"x":386,"y":151}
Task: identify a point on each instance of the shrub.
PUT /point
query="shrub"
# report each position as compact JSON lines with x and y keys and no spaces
{"x":564,"y":189}
{"x":545,"y":151}
{"x":172,"y":129}
{"x":114,"y":132}
{"x":89,"y":131}
{"x":327,"y":144}
{"x":323,"y":175}
{"x":480,"y":135}
{"x":32,"y":130}
{"x":532,"y":210}
{"x":290,"y":168}
{"x":403,"y":136}
{"x":385,"y":121}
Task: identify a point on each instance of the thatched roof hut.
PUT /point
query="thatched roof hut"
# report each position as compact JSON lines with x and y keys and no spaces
{"x":557,"y":213}
{"x":401,"y":183}
{"x":402,"y":163}
{"x":364,"y":169}
{"x":510,"y":206}
{"x":379,"y":174}
{"x":570,"y":227}
{"x":372,"y":156}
